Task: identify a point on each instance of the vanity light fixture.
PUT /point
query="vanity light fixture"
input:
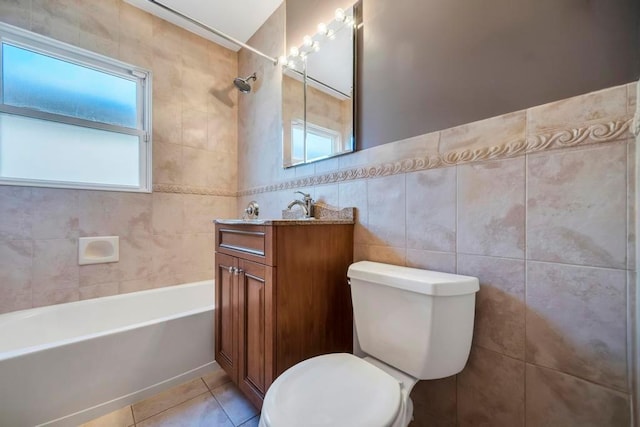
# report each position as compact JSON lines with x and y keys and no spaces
{"x":308,"y":41}
{"x":311,"y":44}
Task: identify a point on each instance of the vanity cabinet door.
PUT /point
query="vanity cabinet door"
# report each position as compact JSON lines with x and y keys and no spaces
{"x":226,"y":314}
{"x":256,"y":329}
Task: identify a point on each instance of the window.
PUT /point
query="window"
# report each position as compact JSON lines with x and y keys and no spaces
{"x":319,"y":143}
{"x":71,"y":118}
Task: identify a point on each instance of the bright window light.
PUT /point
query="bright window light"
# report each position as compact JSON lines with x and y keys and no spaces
{"x":59,"y":152}
{"x":314,"y":144}
{"x":71,"y":118}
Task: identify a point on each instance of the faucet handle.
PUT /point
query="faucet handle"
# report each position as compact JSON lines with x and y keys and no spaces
{"x":251,"y":211}
{"x":306,"y":196}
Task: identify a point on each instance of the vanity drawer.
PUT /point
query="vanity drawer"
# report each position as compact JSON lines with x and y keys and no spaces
{"x":252,"y":242}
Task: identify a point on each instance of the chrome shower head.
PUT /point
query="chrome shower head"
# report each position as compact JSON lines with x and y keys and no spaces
{"x":243,"y":84}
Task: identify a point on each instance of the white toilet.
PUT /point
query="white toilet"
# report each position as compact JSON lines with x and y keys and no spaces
{"x":414,"y":325}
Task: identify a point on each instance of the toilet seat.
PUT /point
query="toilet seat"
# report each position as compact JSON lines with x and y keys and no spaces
{"x":332,"y":390}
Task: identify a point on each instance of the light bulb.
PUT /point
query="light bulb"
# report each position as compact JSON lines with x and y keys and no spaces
{"x":303,"y":55}
{"x":339,"y":14}
{"x":283,"y":60}
{"x":291,"y":64}
{"x":307,"y":40}
{"x":322,"y":28}
{"x":294,"y":51}
{"x":315,"y":46}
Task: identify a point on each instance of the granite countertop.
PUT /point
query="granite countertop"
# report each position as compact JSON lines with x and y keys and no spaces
{"x":312,"y":221}
{"x":323,"y":215}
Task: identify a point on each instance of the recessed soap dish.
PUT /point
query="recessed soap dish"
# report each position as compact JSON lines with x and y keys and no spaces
{"x":98,"y":250}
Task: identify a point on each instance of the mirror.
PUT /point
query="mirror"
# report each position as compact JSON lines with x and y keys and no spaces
{"x":317,"y":93}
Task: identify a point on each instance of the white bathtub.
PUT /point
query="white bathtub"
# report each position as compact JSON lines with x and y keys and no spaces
{"x":66,"y":364}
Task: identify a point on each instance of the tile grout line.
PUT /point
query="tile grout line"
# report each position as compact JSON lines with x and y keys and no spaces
{"x":206,"y":385}
{"x":539,"y":261}
{"x":526,"y":264}
{"x":554,"y":370}
{"x":627,"y":334}
{"x":630,"y":165}
{"x":220,"y":404}
{"x":171,"y":407}
{"x":457,"y":196}
{"x":406,"y":215}
{"x":455,"y":243}
{"x":133,"y":417}
{"x":406,"y":234}
{"x":606,"y":387}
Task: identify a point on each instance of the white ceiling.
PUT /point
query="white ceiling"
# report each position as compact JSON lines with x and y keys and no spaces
{"x":237,"y":18}
{"x":240,"y":19}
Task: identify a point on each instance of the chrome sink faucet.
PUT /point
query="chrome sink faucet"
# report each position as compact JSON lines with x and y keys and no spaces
{"x":306,"y":204}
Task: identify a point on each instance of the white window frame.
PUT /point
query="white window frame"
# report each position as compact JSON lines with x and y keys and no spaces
{"x":56,"y":49}
{"x":298,"y":124}
{"x":308,"y":127}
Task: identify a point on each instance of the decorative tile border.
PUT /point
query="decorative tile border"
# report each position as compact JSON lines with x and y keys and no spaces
{"x":593,"y":134}
{"x":597,"y":133}
{"x":187,"y":189}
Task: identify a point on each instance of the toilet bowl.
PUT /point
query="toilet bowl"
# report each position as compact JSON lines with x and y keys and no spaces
{"x":413,"y":324}
{"x":339,"y":390}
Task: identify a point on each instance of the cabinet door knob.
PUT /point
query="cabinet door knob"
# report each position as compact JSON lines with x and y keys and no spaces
{"x":239,"y":271}
{"x":230,"y":269}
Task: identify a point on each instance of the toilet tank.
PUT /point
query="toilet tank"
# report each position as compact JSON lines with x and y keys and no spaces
{"x":418,"y":321}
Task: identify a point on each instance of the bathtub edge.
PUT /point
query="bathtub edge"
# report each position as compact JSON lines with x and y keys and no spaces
{"x":96,"y":411}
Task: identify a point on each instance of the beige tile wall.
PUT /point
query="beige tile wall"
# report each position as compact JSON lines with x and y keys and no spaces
{"x":166,"y":237}
{"x":260,"y":123}
{"x":539,"y":204}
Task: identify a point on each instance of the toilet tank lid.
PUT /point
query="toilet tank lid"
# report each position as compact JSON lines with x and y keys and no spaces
{"x":413,"y":279}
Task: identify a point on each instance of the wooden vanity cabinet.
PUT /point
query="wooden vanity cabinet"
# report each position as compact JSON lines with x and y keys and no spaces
{"x":281,"y":297}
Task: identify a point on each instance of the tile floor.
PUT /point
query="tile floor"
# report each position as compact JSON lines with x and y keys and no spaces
{"x":211,"y":401}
